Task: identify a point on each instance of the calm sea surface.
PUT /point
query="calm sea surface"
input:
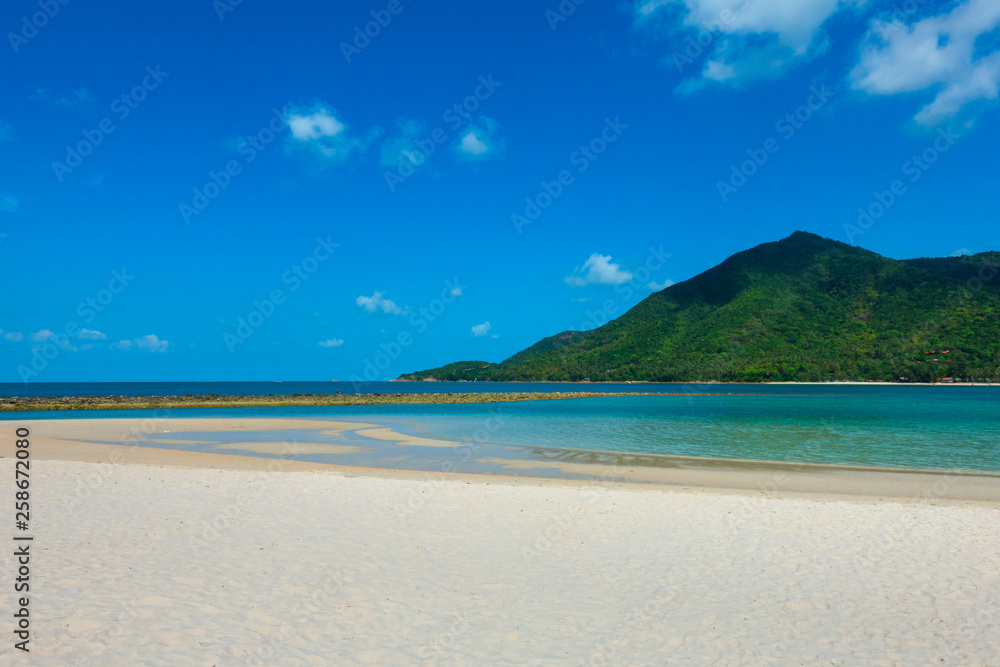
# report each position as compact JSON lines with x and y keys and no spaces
{"x":904,"y":427}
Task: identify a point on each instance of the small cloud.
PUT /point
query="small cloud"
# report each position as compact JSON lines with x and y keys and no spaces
{"x":333,"y":342}
{"x":583,"y":299}
{"x":472,"y":144}
{"x":150,"y":342}
{"x":319,"y":124}
{"x":598,"y":270}
{"x":961,"y":252}
{"x":9,"y":203}
{"x":90,"y":334}
{"x":656,"y":287}
{"x":12,"y":336}
{"x":482,"y":329}
{"x":376,"y":302}
{"x":456,"y":292}
{"x":6,"y":131}
{"x":42,"y":336}
{"x":321,"y":132}
{"x":479,"y":141}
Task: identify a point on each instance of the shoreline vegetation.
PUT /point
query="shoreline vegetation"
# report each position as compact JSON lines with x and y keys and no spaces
{"x":49,"y":403}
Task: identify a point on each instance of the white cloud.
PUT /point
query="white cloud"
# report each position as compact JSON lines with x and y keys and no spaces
{"x":479,"y":140}
{"x":743,"y":39}
{"x":656,"y":287}
{"x":456,"y":292}
{"x":320,"y":131}
{"x":939,"y":53}
{"x":150,"y":342}
{"x":598,"y":270}
{"x":481,"y":329}
{"x":42,"y":336}
{"x":9,"y":203}
{"x":472,"y":144}
{"x":333,"y":342}
{"x":90,"y":334}
{"x":376,"y":302}
{"x":308,"y":127}
{"x":12,"y":336}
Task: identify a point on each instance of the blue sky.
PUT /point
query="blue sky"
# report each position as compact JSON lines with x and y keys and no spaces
{"x":254,"y":191}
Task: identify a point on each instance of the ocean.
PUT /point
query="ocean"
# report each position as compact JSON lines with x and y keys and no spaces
{"x":911,"y":427}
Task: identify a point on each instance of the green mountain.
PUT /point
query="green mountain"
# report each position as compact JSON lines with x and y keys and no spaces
{"x":803,"y":308}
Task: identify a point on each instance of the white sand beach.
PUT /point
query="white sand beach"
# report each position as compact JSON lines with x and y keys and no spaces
{"x":174,"y":557}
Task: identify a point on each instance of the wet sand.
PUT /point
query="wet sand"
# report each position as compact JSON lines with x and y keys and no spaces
{"x":136,"y":441}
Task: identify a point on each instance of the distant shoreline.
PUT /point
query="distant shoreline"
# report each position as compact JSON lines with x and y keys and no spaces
{"x":79,"y":402}
{"x":713,"y":382}
{"x":59,"y":403}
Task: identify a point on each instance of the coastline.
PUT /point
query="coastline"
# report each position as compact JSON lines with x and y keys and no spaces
{"x":111,"y":402}
{"x":49,"y":403}
{"x":93,"y":441}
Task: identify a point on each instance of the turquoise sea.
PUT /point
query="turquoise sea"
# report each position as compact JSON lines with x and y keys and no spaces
{"x":916,"y":427}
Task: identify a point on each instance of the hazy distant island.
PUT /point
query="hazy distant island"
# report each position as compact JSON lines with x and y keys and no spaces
{"x":802,"y":309}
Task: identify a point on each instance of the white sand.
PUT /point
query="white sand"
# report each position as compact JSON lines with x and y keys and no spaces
{"x":320,"y":568}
